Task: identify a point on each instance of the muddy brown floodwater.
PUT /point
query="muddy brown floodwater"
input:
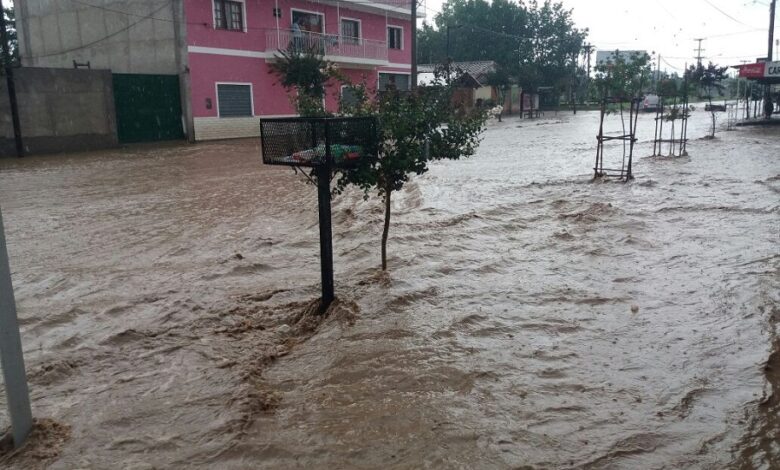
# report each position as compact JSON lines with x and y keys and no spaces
{"x":531,"y":318}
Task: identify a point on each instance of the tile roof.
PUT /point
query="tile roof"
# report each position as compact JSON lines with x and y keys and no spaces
{"x":478,"y":70}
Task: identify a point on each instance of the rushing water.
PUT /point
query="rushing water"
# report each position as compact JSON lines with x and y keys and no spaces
{"x":531,"y":318}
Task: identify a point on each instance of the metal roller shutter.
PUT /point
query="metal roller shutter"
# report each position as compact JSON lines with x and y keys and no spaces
{"x":234,"y":100}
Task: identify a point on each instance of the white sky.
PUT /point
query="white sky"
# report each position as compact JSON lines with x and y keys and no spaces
{"x":668,"y":27}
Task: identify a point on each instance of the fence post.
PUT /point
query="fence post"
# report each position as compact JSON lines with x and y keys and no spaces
{"x":14,"y":376}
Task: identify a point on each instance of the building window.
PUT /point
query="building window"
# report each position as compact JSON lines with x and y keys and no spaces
{"x":395,"y":37}
{"x":348,"y":96}
{"x":350,"y":31}
{"x":399,"y":81}
{"x":228,"y":15}
{"x":234,"y":100}
{"x":308,"y":22}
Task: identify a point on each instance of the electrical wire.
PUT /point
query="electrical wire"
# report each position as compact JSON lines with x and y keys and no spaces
{"x":149,"y":17}
{"x":663,"y":59}
{"x":104,"y":38}
{"x":708,"y":2}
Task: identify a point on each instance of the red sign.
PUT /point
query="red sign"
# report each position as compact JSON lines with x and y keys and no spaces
{"x":752,"y":70}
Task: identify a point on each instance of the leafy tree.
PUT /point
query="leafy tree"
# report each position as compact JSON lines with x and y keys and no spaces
{"x":621,"y":78}
{"x":550,"y":46}
{"x":535,"y":43}
{"x":709,"y":81}
{"x":308,"y":74}
{"x":13,"y":41}
{"x":416,"y":128}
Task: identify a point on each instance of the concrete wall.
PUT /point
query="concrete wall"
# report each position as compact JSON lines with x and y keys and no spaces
{"x":60,"y":110}
{"x":112,"y":34}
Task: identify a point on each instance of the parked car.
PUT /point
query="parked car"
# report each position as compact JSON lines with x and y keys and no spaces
{"x":651,"y":103}
{"x":715,"y":107}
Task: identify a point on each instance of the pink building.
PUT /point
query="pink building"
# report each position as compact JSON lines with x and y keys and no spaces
{"x":217,"y":51}
{"x":228,"y":56}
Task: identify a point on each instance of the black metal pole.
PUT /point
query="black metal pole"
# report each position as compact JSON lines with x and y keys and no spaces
{"x":326,"y":232}
{"x":414,"y":44}
{"x":9,"y":78}
{"x":769,"y":106}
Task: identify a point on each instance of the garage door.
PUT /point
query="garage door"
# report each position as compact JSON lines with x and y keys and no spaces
{"x":148,"y":107}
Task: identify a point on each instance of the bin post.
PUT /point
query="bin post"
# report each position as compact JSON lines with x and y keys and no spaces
{"x":326,"y":236}
{"x":14,"y":376}
{"x":326,"y":232}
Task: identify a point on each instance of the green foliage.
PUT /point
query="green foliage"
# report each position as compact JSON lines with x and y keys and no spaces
{"x":308,"y":74}
{"x":620,"y":78}
{"x":13,"y":41}
{"x":709,"y":81}
{"x":667,"y":87}
{"x":535,"y":43}
{"x":416,"y":128}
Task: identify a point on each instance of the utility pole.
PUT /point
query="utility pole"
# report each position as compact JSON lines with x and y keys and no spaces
{"x":414,"y":44}
{"x":9,"y":78}
{"x":768,"y":105}
{"x":11,"y":355}
{"x":698,"y":51}
{"x":588,"y":50}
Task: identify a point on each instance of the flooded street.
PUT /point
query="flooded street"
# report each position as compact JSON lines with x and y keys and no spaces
{"x":531,"y":318}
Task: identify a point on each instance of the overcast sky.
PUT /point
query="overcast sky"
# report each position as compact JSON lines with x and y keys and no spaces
{"x":735,"y":30}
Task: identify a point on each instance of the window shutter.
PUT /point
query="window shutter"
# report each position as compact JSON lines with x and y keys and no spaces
{"x":234,"y":100}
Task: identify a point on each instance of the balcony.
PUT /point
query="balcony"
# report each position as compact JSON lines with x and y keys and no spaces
{"x":397,"y":6}
{"x":335,"y":48}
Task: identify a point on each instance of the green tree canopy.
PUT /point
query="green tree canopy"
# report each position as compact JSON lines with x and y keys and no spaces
{"x":535,"y":43}
{"x":13,"y":41}
{"x":709,"y":80}
{"x":621,"y":77}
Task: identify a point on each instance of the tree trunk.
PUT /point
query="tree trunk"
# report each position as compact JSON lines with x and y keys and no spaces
{"x":712,"y":114}
{"x":522,"y":103}
{"x":386,"y":229}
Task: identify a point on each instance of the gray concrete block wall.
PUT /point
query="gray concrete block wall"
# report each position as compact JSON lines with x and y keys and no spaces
{"x":110,"y":34}
{"x":60,"y":110}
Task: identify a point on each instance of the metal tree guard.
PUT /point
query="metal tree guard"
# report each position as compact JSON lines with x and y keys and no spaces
{"x":624,"y":173}
{"x":323,"y":144}
{"x":674,"y":112}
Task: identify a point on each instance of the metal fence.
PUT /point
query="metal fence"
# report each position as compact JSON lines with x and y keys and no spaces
{"x":310,"y":142}
{"x":332,"y":45}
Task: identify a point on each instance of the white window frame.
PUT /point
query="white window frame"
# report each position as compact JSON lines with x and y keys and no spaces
{"x":388,"y":36}
{"x":360,"y":27}
{"x":251,"y":98}
{"x":388,"y":72}
{"x":243,"y":16}
{"x":322,"y":14}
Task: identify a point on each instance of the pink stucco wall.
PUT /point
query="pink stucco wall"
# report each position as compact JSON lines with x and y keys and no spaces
{"x":260,"y":20}
{"x":269,"y":98}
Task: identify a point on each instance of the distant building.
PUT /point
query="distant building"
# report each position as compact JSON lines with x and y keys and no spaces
{"x":200,"y":67}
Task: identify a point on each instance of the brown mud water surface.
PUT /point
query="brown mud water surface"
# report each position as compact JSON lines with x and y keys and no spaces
{"x":531,"y":317}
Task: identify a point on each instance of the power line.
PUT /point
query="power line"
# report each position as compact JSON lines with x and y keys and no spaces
{"x":663,"y":59}
{"x":109,"y":36}
{"x":708,"y":2}
{"x":142,"y":18}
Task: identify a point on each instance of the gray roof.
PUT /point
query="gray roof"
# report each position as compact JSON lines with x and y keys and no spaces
{"x":479,"y":70}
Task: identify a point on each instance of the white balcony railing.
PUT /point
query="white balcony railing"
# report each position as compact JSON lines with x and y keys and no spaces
{"x":333,"y":46}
